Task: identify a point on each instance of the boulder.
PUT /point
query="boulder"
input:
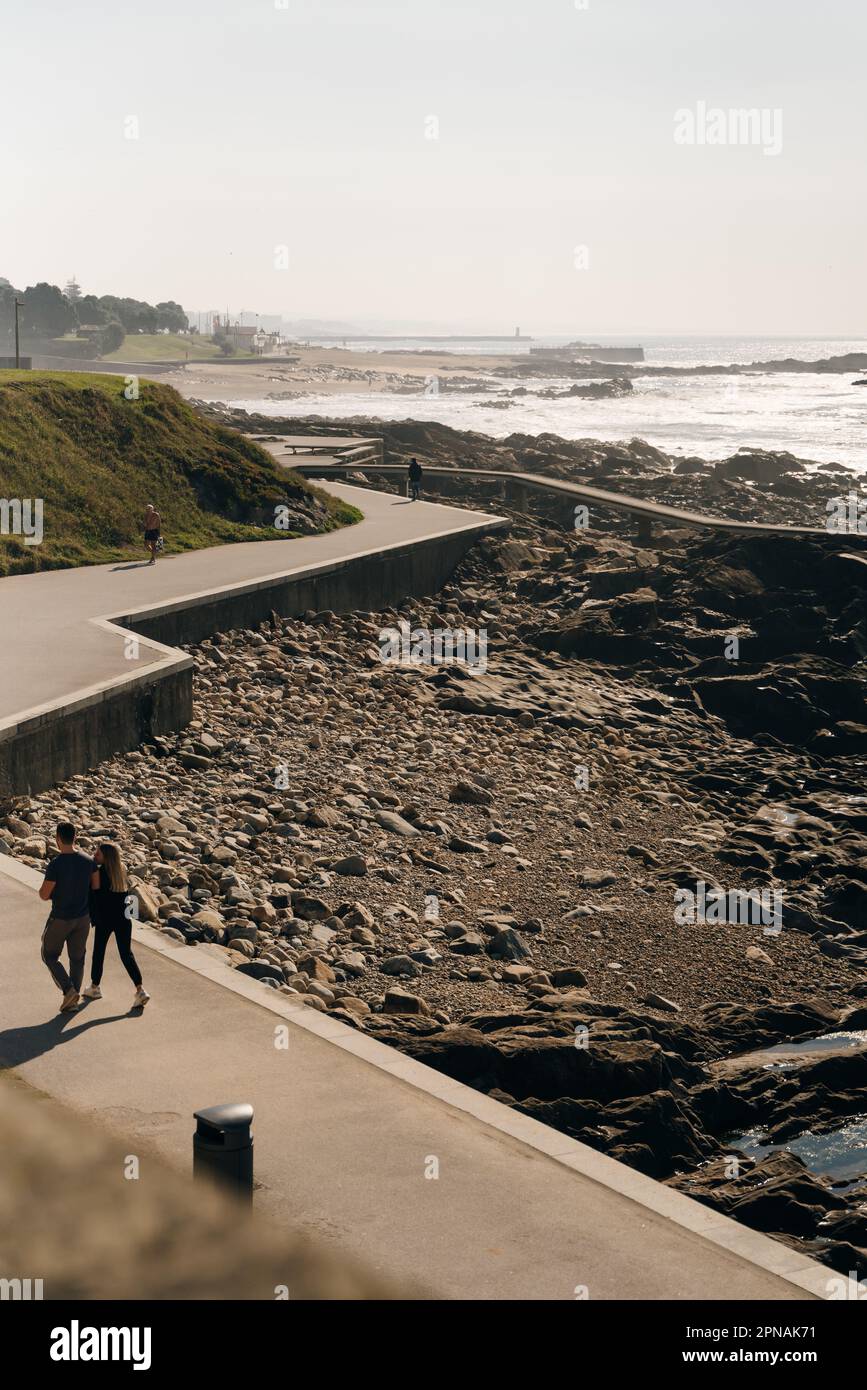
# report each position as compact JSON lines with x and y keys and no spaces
{"x":507,"y":945}
{"x":400,"y":1001}
{"x":352,"y":866}
{"x":469,"y":794}
{"x":390,"y":820}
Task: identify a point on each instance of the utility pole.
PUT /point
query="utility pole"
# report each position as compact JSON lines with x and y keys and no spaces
{"x":19,"y":304}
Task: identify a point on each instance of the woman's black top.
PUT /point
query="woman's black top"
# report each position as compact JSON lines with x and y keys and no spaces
{"x":107,"y":908}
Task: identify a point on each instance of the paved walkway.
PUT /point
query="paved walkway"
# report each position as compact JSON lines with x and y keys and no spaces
{"x":57,"y":626}
{"x":345,"y":1128}
{"x":621,"y":501}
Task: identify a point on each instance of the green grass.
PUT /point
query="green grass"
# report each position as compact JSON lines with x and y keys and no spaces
{"x":162,"y":347}
{"x":96,"y":458}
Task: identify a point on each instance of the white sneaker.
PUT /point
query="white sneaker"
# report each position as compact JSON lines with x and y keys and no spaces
{"x":92,"y":992}
{"x":141,"y":998}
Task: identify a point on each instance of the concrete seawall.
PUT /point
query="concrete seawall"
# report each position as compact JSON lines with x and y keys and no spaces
{"x":414,"y":551}
{"x":49,"y":747}
{"x":367,"y":582}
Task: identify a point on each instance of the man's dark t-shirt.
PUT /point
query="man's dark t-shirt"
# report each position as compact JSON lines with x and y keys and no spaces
{"x":70,"y":873}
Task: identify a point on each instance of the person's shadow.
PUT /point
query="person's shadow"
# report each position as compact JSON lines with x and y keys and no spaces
{"x":19,"y":1045}
{"x":137,"y":565}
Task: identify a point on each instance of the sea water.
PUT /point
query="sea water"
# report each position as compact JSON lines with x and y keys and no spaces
{"x":816,"y":416}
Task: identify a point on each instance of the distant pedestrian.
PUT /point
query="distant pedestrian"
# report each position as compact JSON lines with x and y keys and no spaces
{"x":66,"y":887}
{"x":153,"y":526}
{"x":110,"y":901}
{"x":415,"y":477}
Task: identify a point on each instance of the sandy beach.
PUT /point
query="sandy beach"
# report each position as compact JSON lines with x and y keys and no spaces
{"x":329,"y":371}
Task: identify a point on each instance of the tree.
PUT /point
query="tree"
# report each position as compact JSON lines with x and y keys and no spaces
{"x":171,"y":316}
{"x":47,"y":313}
{"x":90,"y":312}
{"x":111,"y":337}
{"x":8,"y":295}
{"x":134,"y":314}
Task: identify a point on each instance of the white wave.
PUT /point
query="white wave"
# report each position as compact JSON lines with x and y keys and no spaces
{"x":814,"y":416}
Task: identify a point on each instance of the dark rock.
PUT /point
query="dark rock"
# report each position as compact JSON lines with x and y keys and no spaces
{"x":261,"y":970}
{"x":468,"y":794}
{"x":508,"y":945}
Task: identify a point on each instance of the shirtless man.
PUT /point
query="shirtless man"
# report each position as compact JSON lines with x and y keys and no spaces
{"x":152,"y":526}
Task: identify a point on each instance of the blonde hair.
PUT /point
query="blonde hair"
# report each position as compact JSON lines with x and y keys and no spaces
{"x":114,"y":868}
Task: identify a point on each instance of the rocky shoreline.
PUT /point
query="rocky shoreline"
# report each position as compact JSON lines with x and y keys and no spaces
{"x":481,"y":868}
{"x":568,"y":367}
{"x":750,"y":485}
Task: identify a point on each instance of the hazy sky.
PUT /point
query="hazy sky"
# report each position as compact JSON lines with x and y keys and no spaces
{"x":308,"y":127}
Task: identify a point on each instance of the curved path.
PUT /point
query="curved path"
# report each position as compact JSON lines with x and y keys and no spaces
{"x":637,"y":506}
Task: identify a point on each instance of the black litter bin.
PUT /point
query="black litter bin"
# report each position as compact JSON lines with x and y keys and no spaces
{"x":223,"y":1147}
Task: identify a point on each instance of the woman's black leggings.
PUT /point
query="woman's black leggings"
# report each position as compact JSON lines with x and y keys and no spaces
{"x":123,"y":934}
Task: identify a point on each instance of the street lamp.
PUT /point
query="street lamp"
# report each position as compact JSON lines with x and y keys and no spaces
{"x":19,"y":304}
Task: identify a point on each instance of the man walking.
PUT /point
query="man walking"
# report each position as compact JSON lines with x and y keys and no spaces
{"x":415,"y":476}
{"x":66,"y":887}
{"x":153,"y":525}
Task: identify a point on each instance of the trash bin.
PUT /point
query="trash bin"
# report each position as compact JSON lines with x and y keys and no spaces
{"x":223,"y":1147}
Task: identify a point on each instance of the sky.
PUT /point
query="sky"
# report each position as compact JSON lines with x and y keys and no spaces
{"x":452,"y":165}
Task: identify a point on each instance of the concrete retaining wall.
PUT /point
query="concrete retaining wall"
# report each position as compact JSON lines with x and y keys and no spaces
{"x":368,"y":582}
{"x":50,"y":747}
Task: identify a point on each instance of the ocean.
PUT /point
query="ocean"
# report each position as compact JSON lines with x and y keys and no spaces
{"x":814,"y":416}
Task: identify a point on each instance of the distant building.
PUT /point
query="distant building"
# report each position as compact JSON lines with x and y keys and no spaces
{"x":266,"y":342}
{"x":242,"y":336}
{"x":72,"y":290}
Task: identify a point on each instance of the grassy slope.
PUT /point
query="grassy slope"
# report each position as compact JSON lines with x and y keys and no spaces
{"x":95,"y":458}
{"x":167,"y":347}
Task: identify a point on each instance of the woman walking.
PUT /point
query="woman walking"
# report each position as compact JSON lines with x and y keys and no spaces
{"x":109,"y":896}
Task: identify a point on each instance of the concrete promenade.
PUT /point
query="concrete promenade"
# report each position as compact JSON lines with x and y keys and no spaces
{"x":345,"y":1129}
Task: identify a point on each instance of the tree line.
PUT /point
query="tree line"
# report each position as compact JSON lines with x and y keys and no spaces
{"x":48,"y":312}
